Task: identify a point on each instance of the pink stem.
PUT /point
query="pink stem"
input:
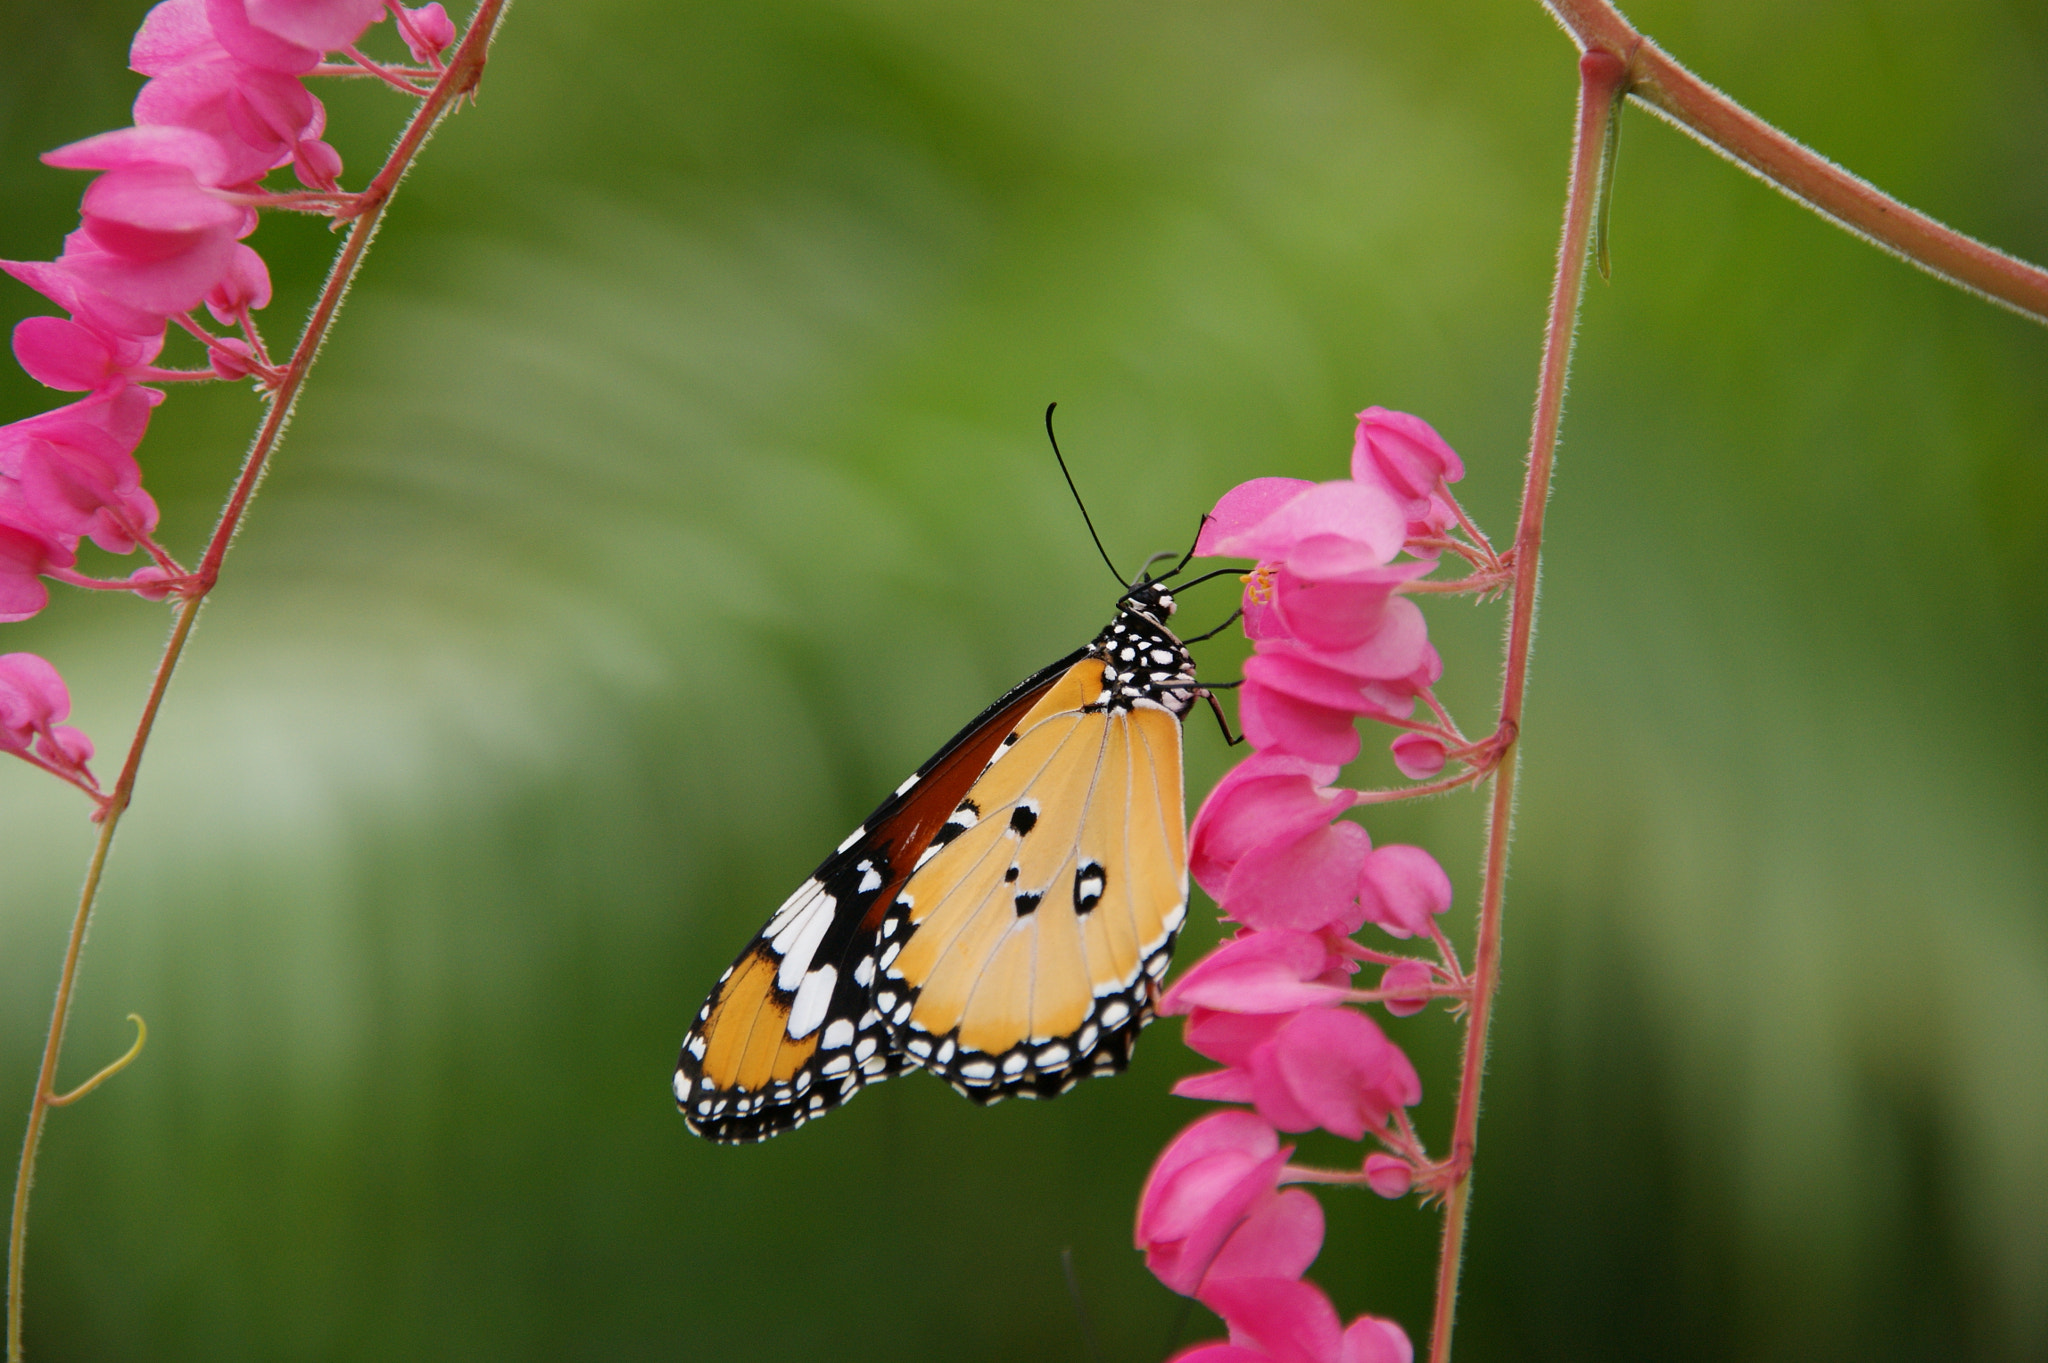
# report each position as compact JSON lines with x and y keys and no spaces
{"x":1602,"y":79}
{"x":463,"y":71}
{"x":1684,"y":100}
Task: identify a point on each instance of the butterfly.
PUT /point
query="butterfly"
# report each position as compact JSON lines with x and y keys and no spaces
{"x":1002,"y":920}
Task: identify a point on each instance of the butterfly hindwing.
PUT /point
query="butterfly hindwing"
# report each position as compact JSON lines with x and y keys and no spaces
{"x":789,"y":1030}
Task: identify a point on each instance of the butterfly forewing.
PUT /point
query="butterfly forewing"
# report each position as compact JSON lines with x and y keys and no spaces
{"x":1003,"y":919}
{"x":790,"y":1030}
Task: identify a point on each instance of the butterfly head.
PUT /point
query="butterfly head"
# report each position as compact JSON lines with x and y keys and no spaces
{"x":1143,"y":664}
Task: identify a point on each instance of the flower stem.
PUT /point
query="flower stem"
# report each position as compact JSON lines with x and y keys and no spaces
{"x":1602,"y":77}
{"x":1682,"y":99}
{"x":459,"y":79}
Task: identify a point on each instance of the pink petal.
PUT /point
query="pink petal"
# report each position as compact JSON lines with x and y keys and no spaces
{"x":1419,"y":756}
{"x":1218,"y":1353}
{"x":73,"y":748}
{"x":1280,"y":1239}
{"x":1332,"y":1068}
{"x":324,"y":25}
{"x":1240,"y":510}
{"x":172,"y":34}
{"x":257,"y":117}
{"x":244,"y":284}
{"x":1388,"y":1175}
{"x":1230,"y":1037}
{"x":1303,"y":885}
{"x":229,"y":20}
{"x":151,"y":212}
{"x":1372,"y":1339}
{"x":1395,"y":649}
{"x":1337,"y":615}
{"x":59,"y":353}
{"x":428,"y":30}
{"x":1290,"y":1321}
{"x":1221,"y":1133}
{"x":1202,"y":1188}
{"x":1354,"y":525}
{"x":58,"y":283}
{"x":32,"y":695}
{"x":1402,"y":453}
{"x":317,"y":164}
{"x":1277,"y":722}
{"x":1401,"y":887}
{"x":1216,"y":1086}
{"x":160,"y":288}
{"x":23,"y":556}
{"x":1263,"y":972}
{"x":199,"y":155}
{"x":1267,"y":797}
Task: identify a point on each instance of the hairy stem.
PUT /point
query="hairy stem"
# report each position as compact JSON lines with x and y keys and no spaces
{"x":459,"y":79}
{"x":1689,"y":103}
{"x":1602,"y":78}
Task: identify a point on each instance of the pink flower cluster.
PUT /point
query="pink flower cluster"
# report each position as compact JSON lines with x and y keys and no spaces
{"x":161,"y":233}
{"x":1334,"y":639}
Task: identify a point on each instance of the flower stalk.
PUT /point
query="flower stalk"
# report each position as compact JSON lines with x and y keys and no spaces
{"x":1688,"y":103}
{"x":455,"y":79}
{"x":1602,"y":78}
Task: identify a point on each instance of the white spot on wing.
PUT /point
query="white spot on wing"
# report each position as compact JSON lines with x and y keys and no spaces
{"x":851,"y":838}
{"x":812,"y":998}
{"x":791,"y":907}
{"x":838,"y":1035}
{"x":797,"y":942}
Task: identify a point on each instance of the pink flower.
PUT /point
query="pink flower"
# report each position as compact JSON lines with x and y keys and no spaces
{"x":1419,"y":756}
{"x":1321,"y":530}
{"x":1335,"y":614}
{"x":1284,"y":1321}
{"x":73,"y":357}
{"x":426,"y":30}
{"x":1402,"y":888}
{"x":1322,"y":1067}
{"x":1267,"y":798}
{"x":173,"y":33}
{"x":32,"y":699}
{"x":87,"y":304}
{"x":1387,"y":1175}
{"x":1305,"y":885}
{"x":289,"y":36}
{"x":258,"y":118}
{"x":73,"y":472}
{"x":1306,"y":705}
{"x":1214,"y":1185}
{"x":1404,"y":455}
{"x":26,"y":552}
{"x":1275,"y":971}
{"x":244,"y":286}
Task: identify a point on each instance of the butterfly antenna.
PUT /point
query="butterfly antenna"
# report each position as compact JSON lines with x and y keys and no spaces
{"x":1076,"y":491}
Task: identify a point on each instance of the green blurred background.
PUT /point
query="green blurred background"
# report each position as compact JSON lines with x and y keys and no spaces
{"x":674,"y":483}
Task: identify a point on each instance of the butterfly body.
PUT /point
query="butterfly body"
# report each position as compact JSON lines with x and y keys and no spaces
{"x":1002,"y":919}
